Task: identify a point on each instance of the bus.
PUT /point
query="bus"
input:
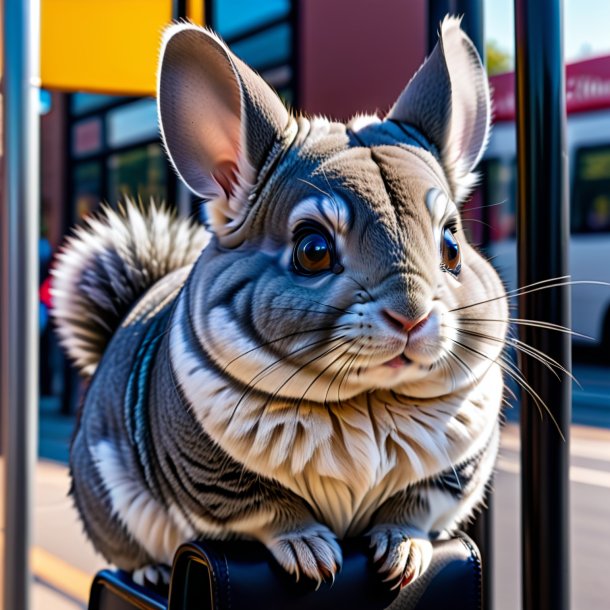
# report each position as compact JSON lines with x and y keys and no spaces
{"x":588,"y":143}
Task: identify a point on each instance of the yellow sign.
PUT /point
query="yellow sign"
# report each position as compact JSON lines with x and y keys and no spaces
{"x":105,"y":46}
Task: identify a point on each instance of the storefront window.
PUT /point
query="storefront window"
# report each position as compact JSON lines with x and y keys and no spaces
{"x":139,"y":172}
{"x":271,"y":47}
{"x":132,"y":123}
{"x":500,"y":197}
{"x":87,"y":187}
{"x":260,"y":33}
{"x":591,"y":198}
{"x":87,"y":137}
{"x":235,"y":17}
{"x":81,"y":103}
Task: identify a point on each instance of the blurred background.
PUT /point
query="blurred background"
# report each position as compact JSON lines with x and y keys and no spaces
{"x":335,"y":57}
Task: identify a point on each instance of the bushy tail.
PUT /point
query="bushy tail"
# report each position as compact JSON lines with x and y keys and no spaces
{"x":107,"y":265}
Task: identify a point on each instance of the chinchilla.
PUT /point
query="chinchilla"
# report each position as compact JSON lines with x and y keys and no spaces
{"x":323,"y":360}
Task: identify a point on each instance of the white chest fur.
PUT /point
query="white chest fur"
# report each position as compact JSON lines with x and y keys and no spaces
{"x":344,"y":460}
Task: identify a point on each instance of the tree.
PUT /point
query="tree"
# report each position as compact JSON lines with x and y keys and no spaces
{"x":498,"y":60}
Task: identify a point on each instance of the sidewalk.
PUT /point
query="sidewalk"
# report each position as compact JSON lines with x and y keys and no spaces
{"x":54,"y":431}
{"x":63,"y":561}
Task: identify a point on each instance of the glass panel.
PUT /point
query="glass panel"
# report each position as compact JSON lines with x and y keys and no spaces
{"x":87,"y":187}
{"x":85,"y":102}
{"x":279,"y":77}
{"x":87,"y":137}
{"x":591,"y":207}
{"x":287,"y":96}
{"x":501,"y":197}
{"x":267,"y":48}
{"x":45,"y":102}
{"x":140,"y":172}
{"x":237,"y":16}
{"x":132,"y":123}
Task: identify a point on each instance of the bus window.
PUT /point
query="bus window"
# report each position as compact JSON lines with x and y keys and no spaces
{"x":501,"y":195}
{"x":591,"y":197}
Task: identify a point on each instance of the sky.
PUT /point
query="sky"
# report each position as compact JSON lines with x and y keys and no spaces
{"x":586,"y":26}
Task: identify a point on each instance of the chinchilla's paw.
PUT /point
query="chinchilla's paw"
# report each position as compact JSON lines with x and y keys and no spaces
{"x":152,"y":575}
{"x":311,"y":551}
{"x":400,"y":553}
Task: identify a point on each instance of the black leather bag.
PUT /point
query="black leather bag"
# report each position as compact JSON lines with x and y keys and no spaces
{"x":209,"y":575}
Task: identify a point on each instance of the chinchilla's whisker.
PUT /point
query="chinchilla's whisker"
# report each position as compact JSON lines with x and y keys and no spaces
{"x":335,"y":377}
{"x":535,"y":287}
{"x":510,"y":391}
{"x":515,"y":292}
{"x":327,"y":305}
{"x":550,"y":363}
{"x":486,"y":205}
{"x":538,"y":283}
{"x":535,"y":353}
{"x":478,"y":220}
{"x":348,"y":343}
{"x":347,"y":372}
{"x":267,"y":370}
{"x":326,"y":313}
{"x":514,"y":372}
{"x":444,"y":365}
{"x":521,"y":291}
{"x":362,"y":287}
{"x":341,"y":373}
{"x":287,"y":336}
{"x":519,"y":345}
{"x":510,"y":369}
{"x":542,"y":357}
{"x":332,"y":194}
{"x":320,"y":190}
{"x":524,"y":322}
{"x":307,"y":364}
{"x":504,"y":364}
{"x":251,"y":386}
{"x":314,"y":186}
{"x":464,"y":366}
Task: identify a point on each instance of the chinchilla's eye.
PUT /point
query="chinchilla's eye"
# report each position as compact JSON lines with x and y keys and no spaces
{"x":313,"y":251}
{"x":450,"y":252}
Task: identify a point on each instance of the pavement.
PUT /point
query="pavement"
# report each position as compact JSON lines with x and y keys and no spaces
{"x":590,"y":519}
{"x":64,"y":562}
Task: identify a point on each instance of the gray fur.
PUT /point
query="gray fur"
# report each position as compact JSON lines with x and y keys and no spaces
{"x":241,"y":397}
{"x":109,"y":262}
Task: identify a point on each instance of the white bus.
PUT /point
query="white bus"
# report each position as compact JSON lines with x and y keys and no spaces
{"x":588,"y":102}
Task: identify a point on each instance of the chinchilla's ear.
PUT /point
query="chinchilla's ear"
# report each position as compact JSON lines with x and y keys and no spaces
{"x":448,"y":101}
{"x":218,"y":120}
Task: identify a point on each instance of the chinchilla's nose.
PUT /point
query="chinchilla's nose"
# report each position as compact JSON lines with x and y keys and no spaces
{"x":403,"y":323}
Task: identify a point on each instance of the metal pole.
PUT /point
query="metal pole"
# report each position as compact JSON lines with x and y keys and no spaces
{"x":19,"y":290}
{"x":472,"y":23}
{"x":471,"y":12}
{"x":543,"y":241}
{"x":437,"y":9}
